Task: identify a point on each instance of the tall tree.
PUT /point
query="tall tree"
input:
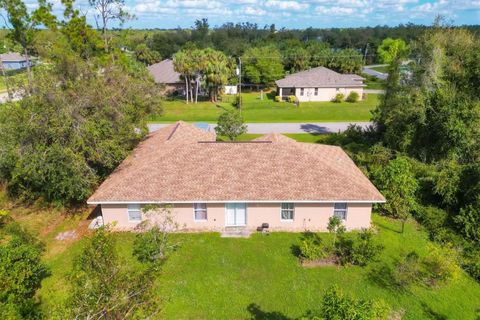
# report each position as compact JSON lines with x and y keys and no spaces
{"x":391,"y":49}
{"x":263,"y":65}
{"x":107,"y":11}
{"x":217,"y":72}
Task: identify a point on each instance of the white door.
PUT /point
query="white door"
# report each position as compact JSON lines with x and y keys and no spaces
{"x":235,"y":214}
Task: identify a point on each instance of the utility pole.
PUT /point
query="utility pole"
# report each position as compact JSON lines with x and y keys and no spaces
{"x":365,"y":55}
{"x":240,"y":83}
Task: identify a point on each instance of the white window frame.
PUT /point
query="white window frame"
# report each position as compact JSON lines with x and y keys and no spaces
{"x":292,"y":210}
{"x":134,"y":208}
{"x":195,"y":209}
{"x":341,"y":210}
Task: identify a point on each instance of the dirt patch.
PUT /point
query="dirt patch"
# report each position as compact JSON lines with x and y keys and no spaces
{"x":327,"y":262}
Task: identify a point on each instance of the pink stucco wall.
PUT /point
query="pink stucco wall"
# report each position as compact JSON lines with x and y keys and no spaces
{"x":308,"y":216}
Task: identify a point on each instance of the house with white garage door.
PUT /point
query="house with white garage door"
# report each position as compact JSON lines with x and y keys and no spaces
{"x":319,"y":84}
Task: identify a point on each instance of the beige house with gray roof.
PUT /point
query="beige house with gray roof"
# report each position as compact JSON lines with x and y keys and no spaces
{"x":319,"y":84}
{"x":165,"y":75}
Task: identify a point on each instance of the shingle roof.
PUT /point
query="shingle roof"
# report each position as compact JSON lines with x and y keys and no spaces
{"x":320,"y":77}
{"x":164,"y":72}
{"x":181,"y":163}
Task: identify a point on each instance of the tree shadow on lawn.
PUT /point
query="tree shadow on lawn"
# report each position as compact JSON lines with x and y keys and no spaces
{"x":258,"y":314}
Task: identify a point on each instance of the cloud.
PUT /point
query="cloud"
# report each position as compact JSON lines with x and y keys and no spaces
{"x":253,"y":11}
{"x":336,"y":11}
{"x":286,"y":5}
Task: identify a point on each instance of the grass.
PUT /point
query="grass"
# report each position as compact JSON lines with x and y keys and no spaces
{"x":210,"y":277}
{"x":256,"y":110}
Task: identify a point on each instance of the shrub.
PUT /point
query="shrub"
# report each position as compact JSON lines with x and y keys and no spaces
{"x":468,"y":222}
{"x":311,"y":248}
{"x":278,"y":99}
{"x":338,"y":98}
{"x":292,"y":99}
{"x":408,"y":270}
{"x":432,"y":218}
{"x":358,"y":250}
{"x":440,"y":265}
{"x":471,"y":262}
{"x":336,"y":305}
{"x":353,"y":97}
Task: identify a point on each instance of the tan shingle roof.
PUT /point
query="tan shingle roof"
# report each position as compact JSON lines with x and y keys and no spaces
{"x":164,"y":72}
{"x":320,"y":77}
{"x":181,"y":163}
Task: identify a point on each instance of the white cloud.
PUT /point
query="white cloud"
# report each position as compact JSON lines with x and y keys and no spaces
{"x":286,"y":5}
{"x":253,"y":11}
{"x":335,"y":11}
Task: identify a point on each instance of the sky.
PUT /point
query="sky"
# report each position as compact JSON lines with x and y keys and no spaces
{"x":292,"y":13}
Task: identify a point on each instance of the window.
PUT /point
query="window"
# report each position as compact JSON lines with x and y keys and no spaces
{"x":338,"y":89}
{"x":200,"y":211}
{"x":134,"y":213}
{"x":316,"y":91}
{"x":301,"y":91}
{"x":287,"y":211}
{"x":340,"y":210}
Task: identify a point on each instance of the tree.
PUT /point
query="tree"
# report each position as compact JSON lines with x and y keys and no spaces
{"x":153,"y":244}
{"x":231,"y":125}
{"x":392,"y":49}
{"x":77,"y":127}
{"x":217,"y":72}
{"x":21,"y":271}
{"x":108,"y":10}
{"x":335,"y":226}
{"x":263,"y":65}
{"x":145,"y":55}
{"x":24,"y":25}
{"x":398,"y":185}
{"x":468,"y":222}
{"x":104,"y":288}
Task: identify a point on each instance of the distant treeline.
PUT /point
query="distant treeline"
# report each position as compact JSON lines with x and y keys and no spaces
{"x":235,"y":38}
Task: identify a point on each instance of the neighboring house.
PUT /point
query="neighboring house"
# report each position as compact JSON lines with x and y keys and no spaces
{"x":212,"y":185}
{"x":15,"y":61}
{"x":164,"y":74}
{"x":319,"y":84}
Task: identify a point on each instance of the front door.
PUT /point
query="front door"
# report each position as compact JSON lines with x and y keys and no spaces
{"x":235,"y":214}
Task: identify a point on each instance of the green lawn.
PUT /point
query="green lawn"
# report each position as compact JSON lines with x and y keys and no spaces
{"x":210,"y":277}
{"x":256,"y":110}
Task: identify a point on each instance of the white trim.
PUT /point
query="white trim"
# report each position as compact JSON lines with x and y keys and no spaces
{"x":235,"y":201}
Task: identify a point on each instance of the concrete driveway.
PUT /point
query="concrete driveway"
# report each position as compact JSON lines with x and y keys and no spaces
{"x":304,"y":127}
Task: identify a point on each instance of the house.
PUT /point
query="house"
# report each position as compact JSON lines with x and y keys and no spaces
{"x":164,"y":74}
{"x":15,"y":61}
{"x":213,"y":185}
{"x":319,"y":84}
{"x":230,"y":90}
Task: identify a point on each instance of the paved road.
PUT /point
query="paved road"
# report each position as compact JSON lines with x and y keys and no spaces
{"x":306,"y":127}
{"x":379,"y":75}
{"x":374,"y":91}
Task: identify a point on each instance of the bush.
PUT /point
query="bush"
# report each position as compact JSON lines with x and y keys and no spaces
{"x":471,"y":262}
{"x":408,"y":270}
{"x":432,"y":218}
{"x":336,"y":305}
{"x":292,"y":99}
{"x":231,"y":125}
{"x":353,"y":97}
{"x":278,"y":99}
{"x":440,"y":265}
{"x":338,"y":98}
{"x":237,"y":102}
{"x":359,"y":250}
{"x":311,"y":248}
{"x":468,"y":222}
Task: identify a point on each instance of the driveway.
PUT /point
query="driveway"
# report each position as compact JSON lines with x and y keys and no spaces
{"x":305,"y":127}
{"x":375,"y":73}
